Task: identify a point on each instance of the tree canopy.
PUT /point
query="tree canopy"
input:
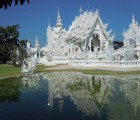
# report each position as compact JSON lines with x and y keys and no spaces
{"x":7,"y":3}
{"x":117,"y":44}
{"x":9,"y":42}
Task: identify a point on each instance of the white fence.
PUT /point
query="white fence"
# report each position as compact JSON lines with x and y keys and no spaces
{"x":61,"y":59}
{"x":121,"y":64}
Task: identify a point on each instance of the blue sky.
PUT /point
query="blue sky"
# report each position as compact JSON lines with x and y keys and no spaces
{"x":33,"y":18}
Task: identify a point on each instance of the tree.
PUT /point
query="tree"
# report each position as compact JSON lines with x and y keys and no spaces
{"x":10,"y":90}
{"x":23,"y":43}
{"x":23,"y":53}
{"x":7,"y":3}
{"x":9,"y":42}
{"x":117,"y":44}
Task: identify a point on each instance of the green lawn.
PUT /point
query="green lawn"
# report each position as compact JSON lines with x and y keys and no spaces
{"x":99,"y":72}
{"x":11,"y":71}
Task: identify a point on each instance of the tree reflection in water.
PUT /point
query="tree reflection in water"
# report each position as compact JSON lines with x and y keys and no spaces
{"x":10,"y":90}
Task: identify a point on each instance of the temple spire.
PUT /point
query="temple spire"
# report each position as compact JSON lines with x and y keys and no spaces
{"x":133,"y":23}
{"x":80,"y":10}
{"x":133,"y":19}
{"x":49,"y":22}
{"x":58,"y":21}
{"x":36,"y":43}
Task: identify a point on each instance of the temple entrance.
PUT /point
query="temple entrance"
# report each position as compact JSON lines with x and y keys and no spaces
{"x":95,"y":43}
{"x":37,"y":55}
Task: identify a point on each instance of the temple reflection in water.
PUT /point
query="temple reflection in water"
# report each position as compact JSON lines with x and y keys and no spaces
{"x":89,"y":93}
{"x":96,"y":97}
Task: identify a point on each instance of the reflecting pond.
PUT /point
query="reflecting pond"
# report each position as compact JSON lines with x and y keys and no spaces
{"x":70,"y":96}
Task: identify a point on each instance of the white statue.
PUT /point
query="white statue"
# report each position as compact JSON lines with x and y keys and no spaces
{"x":29,"y":64}
{"x":17,"y":56}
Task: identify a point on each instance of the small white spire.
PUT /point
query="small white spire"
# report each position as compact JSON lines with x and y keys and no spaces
{"x":36,"y":40}
{"x":133,"y":19}
{"x":36,"y":43}
{"x":80,"y":10}
{"x":133,"y":23}
{"x":48,"y":22}
{"x":124,"y":31}
{"x":97,"y":11}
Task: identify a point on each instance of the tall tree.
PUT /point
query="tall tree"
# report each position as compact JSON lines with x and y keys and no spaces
{"x":9,"y":42}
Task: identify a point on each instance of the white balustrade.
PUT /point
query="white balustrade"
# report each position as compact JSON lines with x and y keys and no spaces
{"x":120,"y":64}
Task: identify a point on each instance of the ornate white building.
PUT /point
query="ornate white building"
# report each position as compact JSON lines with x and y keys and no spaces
{"x":131,"y":49}
{"x":88,"y":43}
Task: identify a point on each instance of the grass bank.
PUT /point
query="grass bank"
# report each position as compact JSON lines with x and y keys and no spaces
{"x":98,"y":72}
{"x":11,"y":71}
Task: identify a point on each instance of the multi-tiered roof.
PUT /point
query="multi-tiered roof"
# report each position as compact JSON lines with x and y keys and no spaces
{"x":132,"y":35}
{"x":84,"y":25}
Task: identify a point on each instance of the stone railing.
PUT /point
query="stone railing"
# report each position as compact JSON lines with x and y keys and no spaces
{"x":121,"y":64}
{"x":63,"y":59}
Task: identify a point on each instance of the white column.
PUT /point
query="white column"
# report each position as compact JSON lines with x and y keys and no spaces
{"x":90,"y":45}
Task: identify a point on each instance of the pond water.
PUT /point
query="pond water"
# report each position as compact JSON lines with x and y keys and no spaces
{"x":70,"y":96}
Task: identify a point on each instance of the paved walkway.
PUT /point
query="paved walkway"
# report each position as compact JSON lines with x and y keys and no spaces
{"x":67,"y":67}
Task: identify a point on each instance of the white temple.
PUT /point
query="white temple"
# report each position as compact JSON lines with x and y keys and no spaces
{"x":88,"y":43}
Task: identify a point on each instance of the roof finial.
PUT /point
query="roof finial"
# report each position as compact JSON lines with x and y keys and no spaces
{"x":48,"y":22}
{"x":97,"y":11}
{"x":58,"y":22}
{"x":58,"y":7}
{"x":80,"y":10}
{"x":58,"y":10}
{"x":36,"y":42}
{"x":133,"y":18}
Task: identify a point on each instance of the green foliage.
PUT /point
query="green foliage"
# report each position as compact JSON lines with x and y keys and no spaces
{"x":117,"y":44}
{"x":9,"y":42}
{"x":7,"y":3}
{"x":17,"y":65}
{"x":9,"y":90}
{"x":23,"y":43}
{"x":96,"y":85}
{"x":40,"y":68}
